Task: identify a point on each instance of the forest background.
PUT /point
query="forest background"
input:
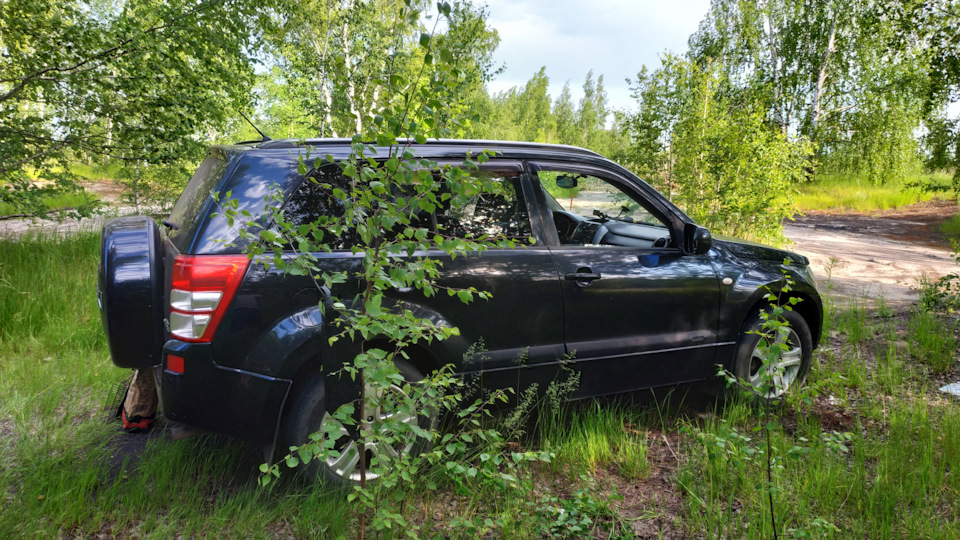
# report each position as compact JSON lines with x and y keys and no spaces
{"x":770,"y":96}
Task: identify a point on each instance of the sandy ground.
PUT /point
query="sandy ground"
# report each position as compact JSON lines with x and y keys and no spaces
{"x":881,"y":253}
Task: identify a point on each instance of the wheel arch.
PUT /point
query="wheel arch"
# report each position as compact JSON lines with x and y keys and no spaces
{"x":809,"y":307}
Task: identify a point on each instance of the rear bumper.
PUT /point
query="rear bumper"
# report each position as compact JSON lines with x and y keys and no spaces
{"x":222,"y":400}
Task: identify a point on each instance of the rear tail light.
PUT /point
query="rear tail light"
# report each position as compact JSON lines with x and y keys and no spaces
{"x":200,"y":291}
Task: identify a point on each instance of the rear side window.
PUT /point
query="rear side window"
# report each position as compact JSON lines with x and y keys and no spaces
{"x":188,"y":213}
{"x":314,"y":198}
{"x":256,"y":181}
{"x":488,"y":215}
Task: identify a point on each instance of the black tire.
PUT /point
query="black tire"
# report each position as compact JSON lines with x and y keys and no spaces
{"x":795,"y":364}
{"x":307,"y":414}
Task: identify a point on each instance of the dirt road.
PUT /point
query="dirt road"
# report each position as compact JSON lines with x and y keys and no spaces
{"x":879,"y":253}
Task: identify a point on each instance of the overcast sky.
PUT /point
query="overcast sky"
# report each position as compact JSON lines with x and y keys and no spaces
{"x":570,"y":37}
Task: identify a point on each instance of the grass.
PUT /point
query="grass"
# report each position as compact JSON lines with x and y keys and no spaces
{"x":592,"y":437}
{"x":57,"y":201}
{"x":56,"y":441}
{"x":951,"y":227}
{"x":852,"y":192}
{"x":891,"y":479}
{"x":870,"y":450}
{"x":108,"y":171}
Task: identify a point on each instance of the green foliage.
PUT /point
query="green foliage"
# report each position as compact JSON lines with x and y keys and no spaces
{"x":582,"y":515}
{"x":710,"y":148}
{"x":943,"y":293}
{"x":53,"y":202}
{"x":130,"y":81}
{"x":528,"y":113}
{"x":857,"y":78}
{"x":339,"y":64}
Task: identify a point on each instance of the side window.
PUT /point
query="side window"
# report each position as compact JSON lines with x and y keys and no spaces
{"x":503,"y":213}
{"x":314,"y":198}
{"x":591,"y":210}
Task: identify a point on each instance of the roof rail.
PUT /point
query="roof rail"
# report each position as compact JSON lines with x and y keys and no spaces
{"x":473,"y":143}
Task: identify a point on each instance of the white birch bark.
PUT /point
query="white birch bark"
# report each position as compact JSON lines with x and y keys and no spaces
{"x":816,"y":112}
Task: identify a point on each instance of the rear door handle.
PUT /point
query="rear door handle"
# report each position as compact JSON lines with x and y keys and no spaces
{"x":582,"y":276}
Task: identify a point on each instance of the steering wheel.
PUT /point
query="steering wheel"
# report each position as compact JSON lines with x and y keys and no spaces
{"x":565,"y":226}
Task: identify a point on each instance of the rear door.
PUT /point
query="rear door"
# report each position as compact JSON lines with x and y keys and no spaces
{"x":522,"y":322}
{"x":638,"y":312}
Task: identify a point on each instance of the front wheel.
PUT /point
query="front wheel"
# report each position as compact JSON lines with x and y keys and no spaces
{"x":784,"y":372}
{"x":308,"y":415}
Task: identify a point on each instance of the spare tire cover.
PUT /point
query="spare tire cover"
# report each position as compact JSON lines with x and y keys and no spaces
{"x":129,"y":291}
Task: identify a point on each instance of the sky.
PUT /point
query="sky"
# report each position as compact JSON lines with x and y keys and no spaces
{"x":614,"y":38}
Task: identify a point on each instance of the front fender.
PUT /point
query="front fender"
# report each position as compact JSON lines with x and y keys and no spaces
{"x":749,"y":289}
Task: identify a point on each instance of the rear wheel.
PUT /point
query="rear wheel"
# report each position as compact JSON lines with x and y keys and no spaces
{"x":308,"y":415}
{"x":788,"y":370}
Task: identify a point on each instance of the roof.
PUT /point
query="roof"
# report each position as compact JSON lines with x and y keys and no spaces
{"x":438,"y":146}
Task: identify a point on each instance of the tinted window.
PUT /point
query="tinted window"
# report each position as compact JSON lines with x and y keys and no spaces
{"x":314,"y":198}
{"x":258,"y":183}
{"x":187,"y":213}
{"x":489,"y":214}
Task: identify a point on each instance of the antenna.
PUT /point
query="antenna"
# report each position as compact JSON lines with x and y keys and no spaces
{"x":265,"y":138}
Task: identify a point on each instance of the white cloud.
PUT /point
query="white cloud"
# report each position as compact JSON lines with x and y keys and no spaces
{"x":614,"y":38}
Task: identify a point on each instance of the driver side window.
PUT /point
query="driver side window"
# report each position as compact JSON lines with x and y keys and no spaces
{"x":589,"y":210}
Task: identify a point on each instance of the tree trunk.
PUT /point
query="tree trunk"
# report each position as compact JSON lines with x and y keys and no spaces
{"x":325,"y":89}
{"x":816,"y":111}
{"x":778,"y":116}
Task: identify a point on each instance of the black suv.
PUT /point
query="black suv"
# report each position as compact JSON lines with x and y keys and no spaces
{"x":607,"y":272}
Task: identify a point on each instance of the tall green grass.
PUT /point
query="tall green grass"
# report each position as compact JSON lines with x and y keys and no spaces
{"x":590,"y":437}
{"x":62,"y":471}
{"x":891,"y":477}
{"x":58,"y":201}
{"x":951,"y":228}
{"x":853,"y":192}
{"x":67,"y":471}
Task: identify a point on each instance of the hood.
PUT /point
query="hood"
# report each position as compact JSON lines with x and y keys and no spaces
{"x":752,"y":250}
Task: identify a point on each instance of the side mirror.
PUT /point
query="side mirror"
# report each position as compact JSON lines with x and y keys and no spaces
{"x":696,"y":239}
{"x":566,"y":182}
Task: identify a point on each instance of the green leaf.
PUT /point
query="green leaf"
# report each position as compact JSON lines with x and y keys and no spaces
{"x":424,"y":40}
